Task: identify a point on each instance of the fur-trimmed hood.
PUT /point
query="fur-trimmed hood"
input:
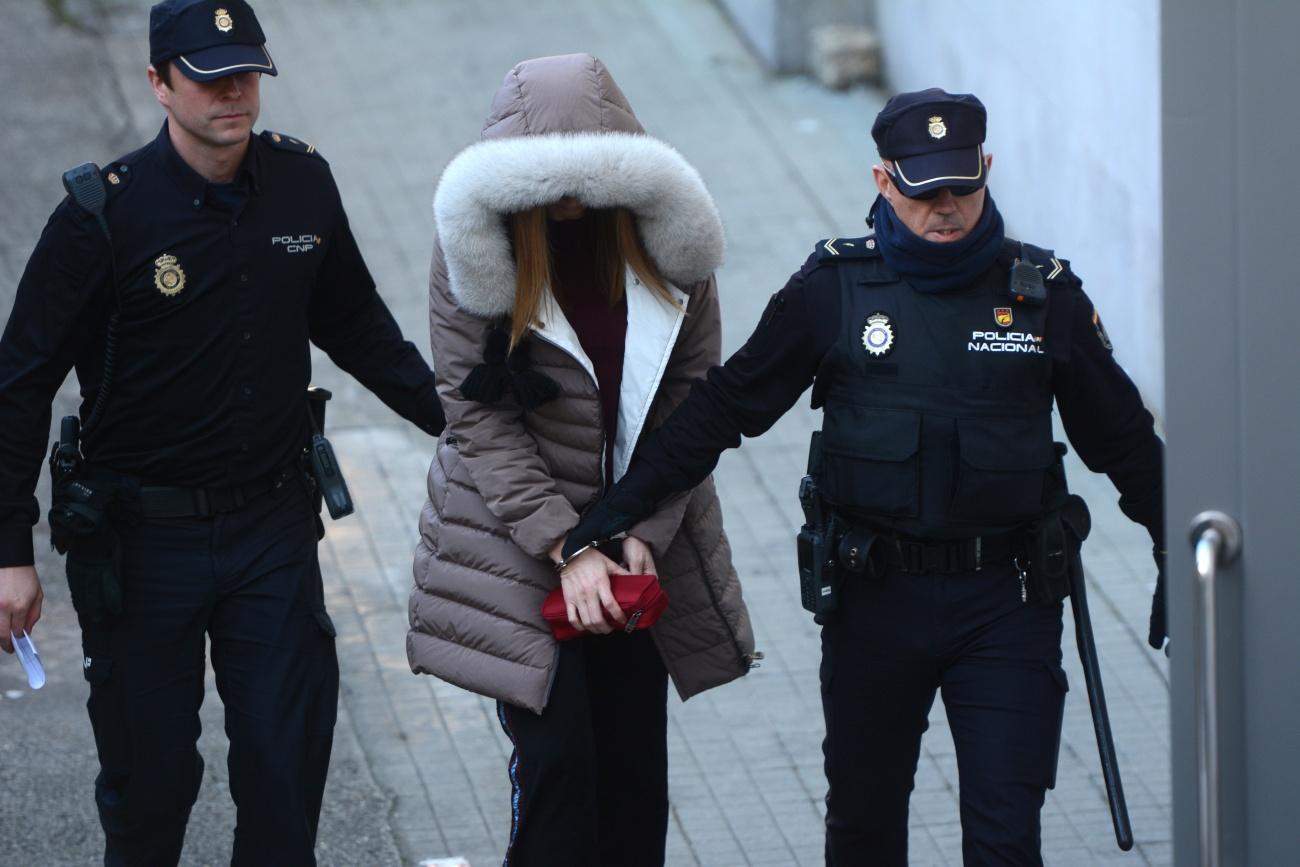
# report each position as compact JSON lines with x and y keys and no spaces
{"x":560,"y":127}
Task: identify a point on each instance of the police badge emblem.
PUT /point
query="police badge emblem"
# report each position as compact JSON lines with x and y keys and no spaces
{"x":1002,"y":316}
{"x":168,"y":276}
{"x":222,"y":19}
{"x":937,"y":128}
{"x":878,"y":335}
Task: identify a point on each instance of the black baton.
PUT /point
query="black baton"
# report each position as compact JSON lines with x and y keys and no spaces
{"x":1097,"y":703}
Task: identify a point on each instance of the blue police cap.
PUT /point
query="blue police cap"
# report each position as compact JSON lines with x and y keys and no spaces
{"x":208,"y":39}
{"x":935,"y":139}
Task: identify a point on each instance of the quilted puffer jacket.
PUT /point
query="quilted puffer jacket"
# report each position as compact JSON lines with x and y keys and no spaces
{"x":508,"y":481}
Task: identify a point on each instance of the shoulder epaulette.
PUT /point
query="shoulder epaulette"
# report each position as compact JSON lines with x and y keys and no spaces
{"x":1054,"y":270}
{"x":831,"y":250}
{"x":862,"y":247}
{"x":117,"y":176}
{"x":283,"y":142}
{"x":846,"y":248}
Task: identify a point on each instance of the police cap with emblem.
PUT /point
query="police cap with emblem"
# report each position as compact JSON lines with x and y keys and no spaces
{"x":935,"y":140}
{"x":208,"y":39}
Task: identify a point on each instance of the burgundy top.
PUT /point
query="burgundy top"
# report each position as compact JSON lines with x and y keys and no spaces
{"x":601,"y":328}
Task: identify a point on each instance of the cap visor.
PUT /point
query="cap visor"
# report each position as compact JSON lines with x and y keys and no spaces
{"x":961,"y":168}
{"x":223,"y":60}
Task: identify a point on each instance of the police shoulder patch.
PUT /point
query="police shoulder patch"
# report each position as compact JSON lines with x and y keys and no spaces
{"x":1101,"y":331}
{"x":830,"y":249}
{"x":281,"y":141}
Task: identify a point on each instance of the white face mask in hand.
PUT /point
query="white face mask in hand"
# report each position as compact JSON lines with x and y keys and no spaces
{"x":30,"y":659}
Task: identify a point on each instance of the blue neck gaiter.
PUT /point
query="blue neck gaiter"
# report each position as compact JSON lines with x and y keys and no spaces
{"x":931,"y":267}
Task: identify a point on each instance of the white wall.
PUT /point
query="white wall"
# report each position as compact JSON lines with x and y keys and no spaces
{"x":1073,"y":94}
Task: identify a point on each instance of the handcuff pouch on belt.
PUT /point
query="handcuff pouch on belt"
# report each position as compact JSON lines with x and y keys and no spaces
{"x":83,"y":510}
{"x":1045,"y":563}
{"x":1054,"y":541}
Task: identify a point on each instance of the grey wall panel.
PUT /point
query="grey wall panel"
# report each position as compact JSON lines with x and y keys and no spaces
{"x":1232,"y":310}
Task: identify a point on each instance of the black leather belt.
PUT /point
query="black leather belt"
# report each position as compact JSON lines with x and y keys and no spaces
{"x":946,"y":556}
{"x":168,"y":502}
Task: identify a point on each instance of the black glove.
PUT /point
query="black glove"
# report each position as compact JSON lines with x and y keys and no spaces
{"x":1158,"y":631}
{"x":614,"y":513}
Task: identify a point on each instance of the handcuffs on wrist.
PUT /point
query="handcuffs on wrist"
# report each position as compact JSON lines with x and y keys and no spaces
{"x":563,"y":562}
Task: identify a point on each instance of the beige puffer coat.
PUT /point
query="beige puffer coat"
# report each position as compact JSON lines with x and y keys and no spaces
{"x":507,"y":482}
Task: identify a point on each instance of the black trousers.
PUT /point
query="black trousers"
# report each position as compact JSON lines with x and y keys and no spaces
{"x":589,"y":776}
{"x":997,"y":663}
{"x":250,"y":581}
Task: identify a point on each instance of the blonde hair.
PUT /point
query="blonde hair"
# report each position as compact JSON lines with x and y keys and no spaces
{"x":617,"y":247}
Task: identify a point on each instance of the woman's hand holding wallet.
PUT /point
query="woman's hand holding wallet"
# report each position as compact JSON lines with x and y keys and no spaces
{"x":584,"y":580}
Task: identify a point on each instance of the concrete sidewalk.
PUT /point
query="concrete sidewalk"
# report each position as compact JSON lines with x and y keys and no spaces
{"x":389,"y":92}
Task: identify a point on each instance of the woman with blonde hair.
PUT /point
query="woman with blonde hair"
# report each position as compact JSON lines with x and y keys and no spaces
{"x":572,"y":303}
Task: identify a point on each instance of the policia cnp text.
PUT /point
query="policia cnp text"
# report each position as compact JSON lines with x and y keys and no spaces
{"x":165,"y":283}
{"x":936,"y":520}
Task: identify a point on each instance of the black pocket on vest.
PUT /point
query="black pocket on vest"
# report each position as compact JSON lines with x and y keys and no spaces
{"x":1002,"y":471}
{"x":871,"y":459}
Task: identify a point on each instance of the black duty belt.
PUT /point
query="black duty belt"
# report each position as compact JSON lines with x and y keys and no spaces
{"x":946,"y":556}
{"x":169,"y":502}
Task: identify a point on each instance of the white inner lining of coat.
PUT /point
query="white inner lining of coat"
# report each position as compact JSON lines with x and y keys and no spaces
{"x":652,"y":329}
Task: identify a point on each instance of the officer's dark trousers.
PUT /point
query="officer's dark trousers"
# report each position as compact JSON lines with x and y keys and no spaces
{"x":589,"y":776}
{"x":249,"y":580}
{"x":997,"y":663}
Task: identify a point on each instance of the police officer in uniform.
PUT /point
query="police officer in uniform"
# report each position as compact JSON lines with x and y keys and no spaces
{"x":935,"y":348}
{"x":186,"y":302}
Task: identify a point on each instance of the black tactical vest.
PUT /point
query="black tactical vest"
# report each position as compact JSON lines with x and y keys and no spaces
{"x":937,"y":406}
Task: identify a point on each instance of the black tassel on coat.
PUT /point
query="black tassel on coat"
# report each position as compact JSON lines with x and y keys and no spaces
{"x":487,"y":382}
{"x":531,"y":388}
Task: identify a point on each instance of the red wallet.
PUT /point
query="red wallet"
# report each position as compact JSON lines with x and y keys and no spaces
{"x":640,"y":597}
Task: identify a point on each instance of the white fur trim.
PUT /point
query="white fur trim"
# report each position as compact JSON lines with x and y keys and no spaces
{"x":676,"y":217}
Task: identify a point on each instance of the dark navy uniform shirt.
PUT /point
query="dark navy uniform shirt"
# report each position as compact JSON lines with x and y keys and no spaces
{"x":220,"y":287}
{"x":1100,"y":408}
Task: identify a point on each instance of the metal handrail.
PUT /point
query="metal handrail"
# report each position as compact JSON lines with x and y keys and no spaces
{"x":1217,"y":541}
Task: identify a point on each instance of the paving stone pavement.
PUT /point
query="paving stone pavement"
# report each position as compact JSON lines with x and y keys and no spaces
{"x":389,"y":92}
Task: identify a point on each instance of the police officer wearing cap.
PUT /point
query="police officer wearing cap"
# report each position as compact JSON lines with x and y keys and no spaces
{"x":184,"y":289}
{"x":936,"y":348}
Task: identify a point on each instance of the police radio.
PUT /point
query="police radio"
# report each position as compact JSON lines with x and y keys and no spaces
{"x":815,"y":546}
{"x":323,"y":464}
{"x":1026,"y":283}
{"x":86,"y":187}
